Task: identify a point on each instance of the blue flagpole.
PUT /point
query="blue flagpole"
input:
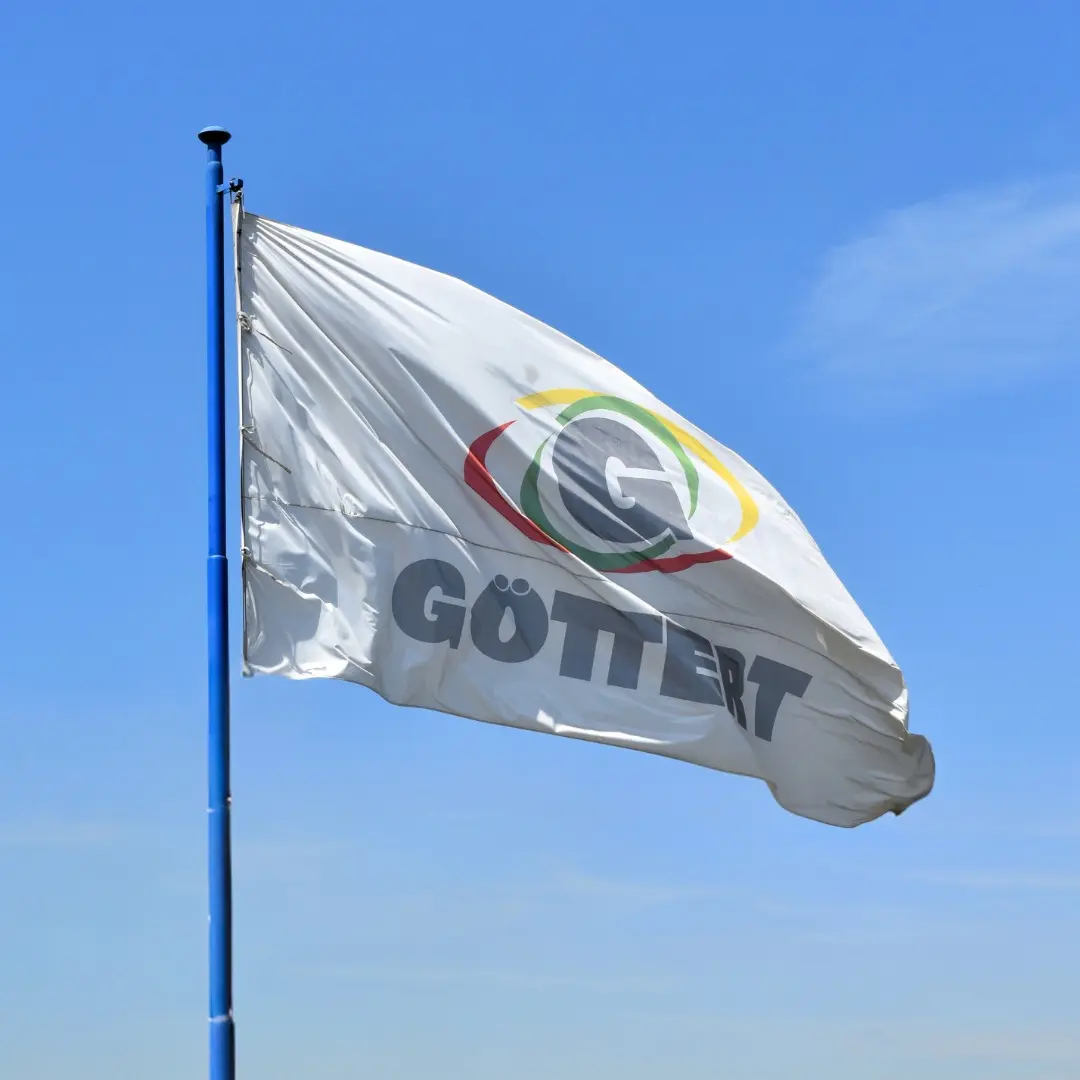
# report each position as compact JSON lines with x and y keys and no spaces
{"x":222,"y":1044}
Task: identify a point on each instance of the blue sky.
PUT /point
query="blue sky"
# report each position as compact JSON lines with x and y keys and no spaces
{"x":847,"y":243}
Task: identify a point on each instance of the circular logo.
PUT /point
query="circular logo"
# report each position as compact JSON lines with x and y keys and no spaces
{"x":613,"y":483}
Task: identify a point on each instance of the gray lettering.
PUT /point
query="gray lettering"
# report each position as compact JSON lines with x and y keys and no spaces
{"x":690,"y":670}
{"x":409,"y":602}
{"x":774,"y":681}
{"x":526,"y":612}
{"x":643,"y":504}
{"x":585,"y":619}
{"x":732,"y":667}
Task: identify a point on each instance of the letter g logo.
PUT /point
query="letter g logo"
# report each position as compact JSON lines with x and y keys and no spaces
{"x":611,"y":482}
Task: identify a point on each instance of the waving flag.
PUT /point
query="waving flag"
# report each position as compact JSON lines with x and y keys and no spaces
{"x":457,"y":506}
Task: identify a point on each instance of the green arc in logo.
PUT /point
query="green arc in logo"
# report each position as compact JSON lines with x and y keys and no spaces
{"x":530,"y":495}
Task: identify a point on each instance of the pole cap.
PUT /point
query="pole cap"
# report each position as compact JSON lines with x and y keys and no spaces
{"x":214,"y":136}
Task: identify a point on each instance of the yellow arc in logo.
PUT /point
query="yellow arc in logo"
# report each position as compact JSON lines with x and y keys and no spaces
{"x":568,"y":395}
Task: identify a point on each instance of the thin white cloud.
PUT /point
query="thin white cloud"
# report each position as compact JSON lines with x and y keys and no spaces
{"x":634,"y":894}
{"x":1004,"y":881}
{"x":1052,"y":826}
{"x":973,"y":290}
{"x":508,"y":978}
{"x":57,"y":834}
{"x":910,"y":1046}
{"x":1027,"y":1045}
{"x":291,"y":856}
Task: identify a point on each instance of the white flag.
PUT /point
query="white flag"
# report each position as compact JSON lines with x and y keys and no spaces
{"x":457,"y":506}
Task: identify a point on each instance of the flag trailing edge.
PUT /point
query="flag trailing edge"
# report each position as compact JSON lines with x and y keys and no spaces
{"x":453,"y":504}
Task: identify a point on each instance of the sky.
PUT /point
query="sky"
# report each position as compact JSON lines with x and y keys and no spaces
{"x":845,"y":240}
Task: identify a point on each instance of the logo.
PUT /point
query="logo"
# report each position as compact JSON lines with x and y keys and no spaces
{"x":612,"y":482}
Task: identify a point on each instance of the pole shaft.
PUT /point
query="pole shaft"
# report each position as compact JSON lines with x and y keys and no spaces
{"x":222,"y":1039}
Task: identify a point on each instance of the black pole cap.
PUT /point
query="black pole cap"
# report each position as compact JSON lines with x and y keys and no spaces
{"x":214,"y":136}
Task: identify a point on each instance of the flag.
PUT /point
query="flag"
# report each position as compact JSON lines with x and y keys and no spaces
{"x":455,"y":505}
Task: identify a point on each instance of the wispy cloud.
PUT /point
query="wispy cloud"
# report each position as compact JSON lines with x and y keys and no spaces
{"x":509,"y":979}
{"x":1004,"y":881}
{"x":57,"y":834}
{"x":977,"y":289}
{"x":633,"y":894}
{"x":1053,"y":825}
{"x":1027,"y":1045}
{"x":291,"y":856}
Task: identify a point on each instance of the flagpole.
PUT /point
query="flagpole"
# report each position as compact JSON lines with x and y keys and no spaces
{"x":222,"y":1044}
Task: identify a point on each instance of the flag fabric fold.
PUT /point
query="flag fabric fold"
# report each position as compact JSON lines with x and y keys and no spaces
{"x":457,"y":506}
